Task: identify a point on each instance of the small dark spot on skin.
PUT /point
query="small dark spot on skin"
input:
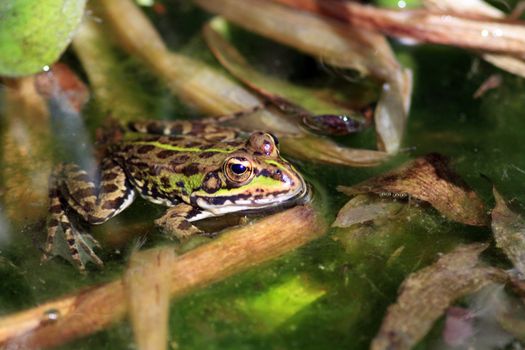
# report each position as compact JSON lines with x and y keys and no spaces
{"x":257,"y":154}
{"x":180,"y":159}
{"x":83,"y":193}
{"x":55,"y":209}
{"x":265,"y":173}
{"x":211,"y":182}
{"x":81,"y":177}
{"x":180,"y":184}
{"x":109,"y":176}
{"x":154,"y":192}
{"x":176,"y":130}
{"x":165,"y":154}
{"x":190,"y":169}
{"x":206,"y":155}
{"x":108,"y":188}
{"x":145,"y":149}
{"x":53,"y":222}
{"x":71,"y":241}
{"x":192,"y":144}
{"x":141,"y":165}
{"x":184,"y":225}
{"x":74,"y":251}
{"x":193,"y":212}
{"x":165,"y":181}
{"x":111,"y":204}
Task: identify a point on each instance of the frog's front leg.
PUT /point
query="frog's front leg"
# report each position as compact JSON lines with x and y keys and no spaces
{"x":71,"y":189}
{"x":176,"y":221}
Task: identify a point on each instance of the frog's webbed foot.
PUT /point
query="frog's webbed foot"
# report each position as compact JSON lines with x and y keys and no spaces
{"x":175,"y":222}
{"x":67,"y":240}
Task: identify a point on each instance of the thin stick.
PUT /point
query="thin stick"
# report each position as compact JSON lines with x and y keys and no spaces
{"x":94,"y":309}
{"x":479,"y":34}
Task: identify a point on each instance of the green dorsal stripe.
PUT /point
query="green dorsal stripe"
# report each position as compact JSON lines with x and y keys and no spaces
{"x":184,"y":149}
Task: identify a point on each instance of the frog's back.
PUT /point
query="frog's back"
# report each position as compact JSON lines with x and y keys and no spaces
{"x":166,"y":169}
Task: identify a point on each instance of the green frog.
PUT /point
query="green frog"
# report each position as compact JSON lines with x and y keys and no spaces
{"x":198,"y":169}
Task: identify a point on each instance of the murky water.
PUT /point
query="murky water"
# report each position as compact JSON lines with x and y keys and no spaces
{"x":332,"y":293}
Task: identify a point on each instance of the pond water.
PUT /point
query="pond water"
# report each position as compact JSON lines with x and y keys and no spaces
{"x":331,"y":293}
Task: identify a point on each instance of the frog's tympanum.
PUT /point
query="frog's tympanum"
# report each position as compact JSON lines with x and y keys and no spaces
{"x":196,"y":168}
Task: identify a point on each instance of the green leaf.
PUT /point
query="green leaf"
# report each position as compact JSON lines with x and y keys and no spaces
{"x":33,"y":34}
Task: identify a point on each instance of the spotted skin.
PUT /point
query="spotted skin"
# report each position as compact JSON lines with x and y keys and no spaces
{"x":197,"y":169}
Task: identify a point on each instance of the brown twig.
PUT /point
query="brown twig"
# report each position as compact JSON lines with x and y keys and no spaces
{"x":91,"y":310}
{"x":500,"y":36}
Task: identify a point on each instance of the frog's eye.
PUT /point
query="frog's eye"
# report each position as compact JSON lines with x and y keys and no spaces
{"x":238,"y":169}
{"x":263,"y":143}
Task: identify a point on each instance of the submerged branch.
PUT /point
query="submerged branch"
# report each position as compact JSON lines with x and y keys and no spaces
{"x":94,"y":309}
{"x":497,"y":36}
{"x":426,"y":294}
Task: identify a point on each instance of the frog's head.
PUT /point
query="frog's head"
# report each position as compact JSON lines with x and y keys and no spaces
{"x":254,"y":176}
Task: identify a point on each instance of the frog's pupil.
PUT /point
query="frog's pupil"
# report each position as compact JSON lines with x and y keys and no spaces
{"x":238,"y":169}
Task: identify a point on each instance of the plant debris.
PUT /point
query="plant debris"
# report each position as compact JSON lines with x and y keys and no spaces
{"x":509,"y":232}
{"x":336,"y":44}
{"x":428,"y":179}
{"x":425,"y":295}
{"x":365,"y":208}
{"x":147,"y":286}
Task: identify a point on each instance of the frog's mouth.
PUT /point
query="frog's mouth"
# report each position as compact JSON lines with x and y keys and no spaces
{"x":220,"y":205}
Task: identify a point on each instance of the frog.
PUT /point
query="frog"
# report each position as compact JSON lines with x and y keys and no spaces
{"x":195,"y":168}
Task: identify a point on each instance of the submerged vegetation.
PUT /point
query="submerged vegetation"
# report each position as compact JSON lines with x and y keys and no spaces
{"x":413,"y":236}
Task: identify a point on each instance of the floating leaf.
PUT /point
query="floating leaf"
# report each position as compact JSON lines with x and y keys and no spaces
{"x":34,"y":34}
{"x":363,"y":208}
{"x":426,"y":294}
{"x":431,"y":180}
{"x":509,"y":232}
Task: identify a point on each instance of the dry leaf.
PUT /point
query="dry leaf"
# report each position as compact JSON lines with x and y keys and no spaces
{"x":363,"y":208}
{"x":426,"y":294}
{"x":509,"y":232}
{"x":431,"y":180}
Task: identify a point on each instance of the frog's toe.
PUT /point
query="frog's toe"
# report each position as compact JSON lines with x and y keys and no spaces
{"x":177,"y":227}
{"x":72,"y":244}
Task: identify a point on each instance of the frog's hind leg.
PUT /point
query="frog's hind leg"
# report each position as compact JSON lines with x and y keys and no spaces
{"x":97,"y":204}
{"x":176,"y":221}
{"x":72,"y":190}
{"x":206,"y":128}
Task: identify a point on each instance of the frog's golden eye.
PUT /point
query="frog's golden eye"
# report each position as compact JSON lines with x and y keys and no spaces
{"x":264,"y":143}
{"x":238,"y":169}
